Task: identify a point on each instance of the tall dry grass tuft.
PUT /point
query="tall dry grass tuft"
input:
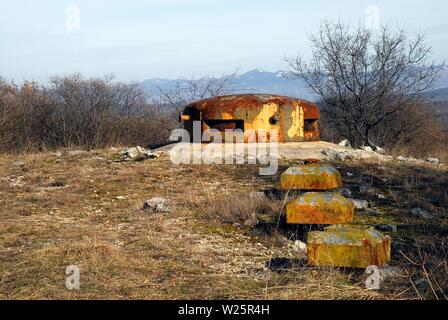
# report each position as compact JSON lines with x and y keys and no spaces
{"x":241,"y":209}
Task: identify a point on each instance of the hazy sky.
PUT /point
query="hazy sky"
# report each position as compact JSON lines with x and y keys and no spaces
{"x":137,"y":39}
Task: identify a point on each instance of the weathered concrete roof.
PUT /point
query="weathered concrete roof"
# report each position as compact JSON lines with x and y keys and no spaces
{"x":232,"y":102}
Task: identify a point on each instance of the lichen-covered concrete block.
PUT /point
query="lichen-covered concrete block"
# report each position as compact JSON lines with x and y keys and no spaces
{"x":320,"y":208}
{"x":311,"y":177}
{"x":348,"y":246}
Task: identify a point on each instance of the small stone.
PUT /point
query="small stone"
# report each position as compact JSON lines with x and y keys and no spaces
{"x":132,"y":152}
{"x":380,"y":150}
{"x":299,"y":246}
{"x":349,"y":174}
{"x":433,"y":160}
{"x":360,"y":204}
{"x":345,"y":143}
{"x":421,"y":213}
{"x":76,"y":152}
{"x":341,"y":156}
{"x":388,"y":272}
{"x":157,"y":205}
{"x":15,"y":182}
{"x":367,"y":189}
{"x":387,"y":228}
{"x":137,"y":154}
{"x":337,"y":155}
{"x":345,"y":192}
{"x":19,"y":164}
{"x":381,"y":196}
{"x":120,"y":198}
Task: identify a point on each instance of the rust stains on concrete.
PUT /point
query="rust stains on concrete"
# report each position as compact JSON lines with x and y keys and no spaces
{"x":295,"y":119}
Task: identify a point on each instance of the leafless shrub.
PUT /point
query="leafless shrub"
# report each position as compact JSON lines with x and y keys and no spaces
{"x":406,"y":132}
{"x":77,"y":112}
{"x":409,"y":131}
{"x":364,"y":78}
{"x":26,"y":116}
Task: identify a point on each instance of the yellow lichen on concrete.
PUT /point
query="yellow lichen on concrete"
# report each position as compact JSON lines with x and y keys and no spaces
{"x":320,"y":208}
{"x":292,"y":122}
{"x":348,"y":246}
{"x":311,"y":177}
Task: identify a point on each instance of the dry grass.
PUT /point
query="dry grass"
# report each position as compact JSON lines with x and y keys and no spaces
{"x":238,"y":210}
{"x":66,"y":212}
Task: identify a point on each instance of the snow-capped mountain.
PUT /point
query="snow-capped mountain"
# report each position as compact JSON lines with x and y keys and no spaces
{"x":254,"y":81}
{"x":282,"y":83}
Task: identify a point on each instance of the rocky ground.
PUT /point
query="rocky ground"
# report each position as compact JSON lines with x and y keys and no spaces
{"x":90,"y":209}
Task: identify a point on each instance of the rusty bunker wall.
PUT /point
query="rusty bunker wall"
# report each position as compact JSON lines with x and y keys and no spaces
{"x":296,"y":120}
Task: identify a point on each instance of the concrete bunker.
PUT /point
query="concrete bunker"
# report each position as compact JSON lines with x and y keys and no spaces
{"x":295,"y":120}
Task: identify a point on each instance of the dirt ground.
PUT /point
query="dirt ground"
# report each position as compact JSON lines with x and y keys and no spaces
{"x":84,"y":209}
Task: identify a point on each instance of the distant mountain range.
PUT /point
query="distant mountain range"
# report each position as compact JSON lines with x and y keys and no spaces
{"x":282,"y":83}
{"x":255,"y":81}
{"x":437,"y":95}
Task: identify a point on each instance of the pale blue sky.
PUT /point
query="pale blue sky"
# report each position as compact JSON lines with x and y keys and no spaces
{"x":136,"y":40}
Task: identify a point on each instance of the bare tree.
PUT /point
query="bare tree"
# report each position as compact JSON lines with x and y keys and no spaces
{"x":364,"y":77}
{"x":187,"y":91}
{"x":129,"y":99}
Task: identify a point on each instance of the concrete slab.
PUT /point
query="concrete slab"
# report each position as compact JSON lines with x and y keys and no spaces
{"x":320,"y":208}
{"x":348,"y":246}
{"x":298,"y":150}
{"x":312,"y":176}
